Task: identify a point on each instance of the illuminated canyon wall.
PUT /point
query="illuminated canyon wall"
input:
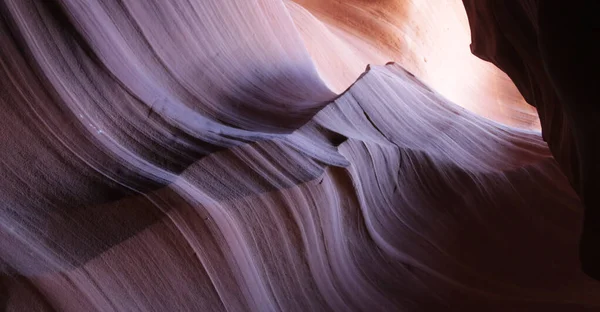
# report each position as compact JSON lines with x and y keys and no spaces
{"x":267,"y":155}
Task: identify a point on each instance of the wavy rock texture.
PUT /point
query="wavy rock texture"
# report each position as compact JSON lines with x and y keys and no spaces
{"x":204,"y":156}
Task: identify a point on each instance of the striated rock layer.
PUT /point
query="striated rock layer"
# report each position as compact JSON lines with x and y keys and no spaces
{"x":217,"y":155}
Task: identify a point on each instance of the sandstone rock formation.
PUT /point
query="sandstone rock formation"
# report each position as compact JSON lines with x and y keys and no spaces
{"x":548,"y":50}
{"x":232,"y":155}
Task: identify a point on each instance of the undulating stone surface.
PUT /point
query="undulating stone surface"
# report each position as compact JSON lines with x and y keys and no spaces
{"x":221,"y":155}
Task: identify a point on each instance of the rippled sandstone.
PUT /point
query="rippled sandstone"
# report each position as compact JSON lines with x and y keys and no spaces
{"x":236,"y":155}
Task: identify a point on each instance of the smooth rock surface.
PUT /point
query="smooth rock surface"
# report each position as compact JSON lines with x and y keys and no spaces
{"x":223,"y":155}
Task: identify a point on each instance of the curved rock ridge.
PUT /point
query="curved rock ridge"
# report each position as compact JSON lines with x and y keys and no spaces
{"x":201,"y":156}
{"x":429,"y":38}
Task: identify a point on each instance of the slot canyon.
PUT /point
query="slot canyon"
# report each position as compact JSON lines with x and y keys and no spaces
{"x":299,"y":155}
